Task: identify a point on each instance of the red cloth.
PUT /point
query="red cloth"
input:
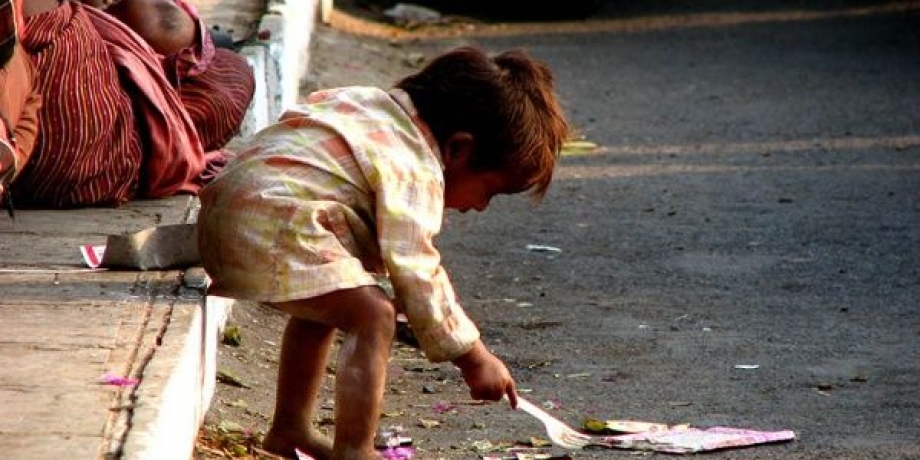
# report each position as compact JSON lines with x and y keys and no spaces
{"x":174,"y":156}
{"x":216,"y":85}
{"x":216,"y":100}
{"x":113,"y":126}
{"x":87,"y":151}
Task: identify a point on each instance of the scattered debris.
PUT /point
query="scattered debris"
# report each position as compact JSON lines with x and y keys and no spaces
{"x":747,"y":366}
{"x":527,"y":453}
{"x":543,"y":248}
{"x":392,"y":445}
{"x":238,"y":403}
{"x":578,"y":147}
{"x":528,"y":456}
{"x":230,"y":379}
{"x":410,"y":15}
{"x":443,"y":407}
{"x":690,"y":440}
{"x":428,"y":423}
{"x":626,"y":426}
{"x":232,"y":336}
{"x":540,"y":442}
{"x":391,"y":436}
{"x":414,"y":59}
{"x":231,"y":440}
{"x":578,"y":375}
{"x":118,"y":381}
{"x":552,"y":404}
{"x":398,"y":453}
{"x":680,"y":403}
{"x":485,"y":446}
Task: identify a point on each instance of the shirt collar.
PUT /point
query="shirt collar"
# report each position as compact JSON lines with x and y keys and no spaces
{"x":403,"y":99}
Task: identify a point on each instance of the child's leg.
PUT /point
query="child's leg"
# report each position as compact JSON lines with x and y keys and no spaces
{"x":368,"y":317}
{"x":301,"y":368}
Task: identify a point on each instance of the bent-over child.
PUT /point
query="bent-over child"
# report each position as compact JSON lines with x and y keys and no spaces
{"x":354,"y":184}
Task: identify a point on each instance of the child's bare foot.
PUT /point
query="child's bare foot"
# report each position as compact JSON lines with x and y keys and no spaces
{"x":284,"y":444}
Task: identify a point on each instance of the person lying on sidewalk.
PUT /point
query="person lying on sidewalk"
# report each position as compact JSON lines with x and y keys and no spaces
{"x":19,"y":101}
{"x":120,"y":120}
{"x":355,"y":184}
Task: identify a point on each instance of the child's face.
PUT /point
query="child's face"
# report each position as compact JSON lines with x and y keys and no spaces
{"x":466,"y":189}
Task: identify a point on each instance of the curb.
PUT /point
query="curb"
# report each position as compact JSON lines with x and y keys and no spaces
{"x":280,"y":61}
{"x":179,"y":378}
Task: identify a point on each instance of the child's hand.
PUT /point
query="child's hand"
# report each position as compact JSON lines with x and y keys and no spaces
{"x":486,"y":375}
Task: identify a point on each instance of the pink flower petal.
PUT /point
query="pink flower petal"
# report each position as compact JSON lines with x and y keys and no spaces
{"x":117,"y":380}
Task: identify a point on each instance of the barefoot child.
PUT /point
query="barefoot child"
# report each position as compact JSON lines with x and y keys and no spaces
{"x":353,"y":184}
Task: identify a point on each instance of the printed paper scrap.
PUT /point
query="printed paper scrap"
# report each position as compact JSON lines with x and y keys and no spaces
{"x":92,"y":254}
{"x":690,"y":440}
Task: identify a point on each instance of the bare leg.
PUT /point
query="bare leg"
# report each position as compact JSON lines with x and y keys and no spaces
{"x":359,"y":388}
{"x":368,"y":318}
{"x":304,"y":349}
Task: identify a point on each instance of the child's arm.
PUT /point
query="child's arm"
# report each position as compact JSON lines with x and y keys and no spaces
{"x":409,"y":213}
{"x":486,"y":375}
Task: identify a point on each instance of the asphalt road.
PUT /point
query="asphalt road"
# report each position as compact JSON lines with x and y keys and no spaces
{"x":754,"y":201}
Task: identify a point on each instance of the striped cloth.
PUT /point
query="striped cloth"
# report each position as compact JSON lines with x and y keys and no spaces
{"x":215,"y":85}
{"x":216,"y":100}
{"x":112,"y":127}
{"x":346,"y":187}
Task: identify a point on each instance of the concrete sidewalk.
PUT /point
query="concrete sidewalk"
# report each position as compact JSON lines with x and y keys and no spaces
{"x":64,"y":326}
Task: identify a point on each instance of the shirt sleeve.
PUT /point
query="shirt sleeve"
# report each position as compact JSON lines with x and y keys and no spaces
{"x":409,"y":213}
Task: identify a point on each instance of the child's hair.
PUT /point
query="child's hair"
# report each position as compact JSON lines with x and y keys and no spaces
{"x":505,"y":102}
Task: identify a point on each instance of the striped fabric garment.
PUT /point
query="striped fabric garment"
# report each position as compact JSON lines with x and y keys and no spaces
{"x":113,"y":127}
{"x":215,"y":85}
{"x":87,"y":151}
{"x":217,"y":99}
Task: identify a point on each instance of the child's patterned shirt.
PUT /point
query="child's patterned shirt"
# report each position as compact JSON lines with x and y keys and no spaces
{"x":348,"y":186}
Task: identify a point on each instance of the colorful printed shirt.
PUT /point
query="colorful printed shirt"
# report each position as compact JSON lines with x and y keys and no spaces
{"x":354,"y":168}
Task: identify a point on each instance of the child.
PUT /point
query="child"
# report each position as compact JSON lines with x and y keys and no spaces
{"x":355,"y":184}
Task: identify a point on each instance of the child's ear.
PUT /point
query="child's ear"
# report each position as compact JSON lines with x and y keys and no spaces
{"x":459,"y":147}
